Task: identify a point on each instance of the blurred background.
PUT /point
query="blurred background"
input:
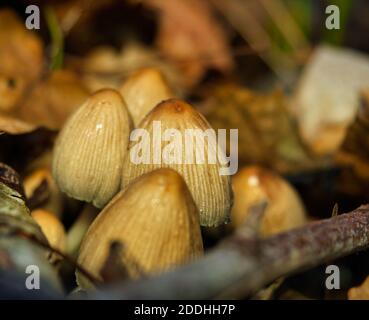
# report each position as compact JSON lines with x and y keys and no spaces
{"x":296,"y":91}
{"x":245,"y":39}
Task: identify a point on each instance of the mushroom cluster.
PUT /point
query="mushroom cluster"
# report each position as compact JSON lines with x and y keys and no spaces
{"x":154,"y":208}
{"x":155,"y":211}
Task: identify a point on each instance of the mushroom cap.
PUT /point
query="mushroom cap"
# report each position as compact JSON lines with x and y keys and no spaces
{"x":154,"y":218}
{"x":90,"y":149}
{"x":254,"y":184}
{"x":211,"y":191}
{"x":143,"y":91}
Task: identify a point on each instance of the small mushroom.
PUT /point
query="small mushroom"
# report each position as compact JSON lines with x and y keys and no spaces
{"x":155,"y":219}
{"x":143,"y":91}
{"x":52,"y":228}
{"x":89,"y":151}
{"x":255,"y":184}
{"x":210,"y":189}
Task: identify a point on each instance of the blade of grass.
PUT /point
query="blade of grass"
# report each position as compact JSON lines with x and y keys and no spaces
{"x":57,"y":39}
{"x":302,"y":11}
{"x":286,"y":24}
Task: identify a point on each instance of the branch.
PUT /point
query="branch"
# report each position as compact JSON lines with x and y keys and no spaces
{"x":240,"y":265}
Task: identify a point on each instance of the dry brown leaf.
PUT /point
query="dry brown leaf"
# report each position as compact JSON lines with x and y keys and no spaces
{"x":190,"y":35}
{"x":353,"y":155}
{"x":267,"y":133}
{"x":14,"y":126}
{"x":21,"y":56}
{"x":27,"y":101}
{"x":53,"y":100}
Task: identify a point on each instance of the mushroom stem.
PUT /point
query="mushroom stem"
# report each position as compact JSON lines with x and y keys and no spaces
{"x":79,"y":228}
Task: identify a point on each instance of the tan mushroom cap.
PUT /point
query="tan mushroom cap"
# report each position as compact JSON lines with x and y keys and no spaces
{"x":154,"y":218}
{"x":254,"y":184}
{"x":211,"y":191}
{"x":89,"y":151}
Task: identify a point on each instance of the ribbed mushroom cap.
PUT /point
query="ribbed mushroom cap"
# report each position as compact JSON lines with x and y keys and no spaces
{"x":90,"y":149}
{"x":155,"y":219}
{"x":211,"y":191}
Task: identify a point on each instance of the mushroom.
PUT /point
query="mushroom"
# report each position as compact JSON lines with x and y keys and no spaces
{"x":89,"y":151}
{"x":155,"y":219}
{"x":52,"y":228}
{"x":187,"y":152}
{"x":254,"y":184}
{"x":143,"y":91}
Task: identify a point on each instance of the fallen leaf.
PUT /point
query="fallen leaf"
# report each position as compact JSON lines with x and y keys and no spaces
{"x":21,"y":56}
{"x":267,"y":132}
{"x":13,"y":125}
{"x":190,"y":35}
{"x":353,"y":154}
{"x":53,"y":100}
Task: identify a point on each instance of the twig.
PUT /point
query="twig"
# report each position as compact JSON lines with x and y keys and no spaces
{"x":234,"y":269}
{"x":251,"y":227}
